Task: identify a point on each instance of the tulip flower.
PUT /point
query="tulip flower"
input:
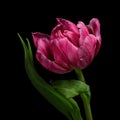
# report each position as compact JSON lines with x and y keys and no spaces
{"x":69,"y":46}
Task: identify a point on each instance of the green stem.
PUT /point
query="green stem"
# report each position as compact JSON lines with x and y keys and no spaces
{"x":87,"y":107}
{"x":84,"y":98}
{"x":79,"y":75}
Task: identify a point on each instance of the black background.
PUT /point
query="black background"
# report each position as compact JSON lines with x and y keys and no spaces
{"x":22,"y":100}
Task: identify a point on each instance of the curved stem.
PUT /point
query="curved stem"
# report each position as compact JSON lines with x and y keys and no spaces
{"x":84,"y":98}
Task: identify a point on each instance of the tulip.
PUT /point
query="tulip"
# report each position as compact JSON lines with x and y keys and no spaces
{"x":69,"y":46}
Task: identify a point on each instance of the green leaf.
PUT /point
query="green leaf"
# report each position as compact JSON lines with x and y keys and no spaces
{"x":76,"y":114}
{"x":55,"y":98}
{"x":71,"y":88}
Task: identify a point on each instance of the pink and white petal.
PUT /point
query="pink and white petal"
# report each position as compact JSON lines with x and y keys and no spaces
{"x":95,"y":26}
{"x":37,"y":36}
{"x":87,"y":51}
{"x":69,"y":30}
{"x":56,"y":32}
{"x":69,"y":50}
{"x":50,"y":65}
{"x":59,"y":56}
{"x":98,"y":44}
{"x":90,"y":45}
{"x":68,"y":25}
{"x":72,"y":37}
{"x":84,"y":57}
{"x":44,"y":46}
{"x":83,"y":31}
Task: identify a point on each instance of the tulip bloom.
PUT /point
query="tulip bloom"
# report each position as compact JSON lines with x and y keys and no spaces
{"x":69,"y":46}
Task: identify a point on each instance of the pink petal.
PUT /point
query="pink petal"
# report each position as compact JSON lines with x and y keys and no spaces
{"x":37,"y":35}
{"x":86,"y":51}
{"x":95,"y":27}
{"x":59,"y":56}
{"x":68,"y":25}
{"x":67,"y":29}
{"x":42,"y":43}
{"x":44,"y":54}
{"x":70,"y":51}
{"x":98,"y":44}
{"x":84,"y":57}
{"x":83,"y":31}
{"x":72,"y":37}
{"x":56,"y":32}
{"x":44,"y":46}
{"x":90,"y":45}
{"x":50,"y":65}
